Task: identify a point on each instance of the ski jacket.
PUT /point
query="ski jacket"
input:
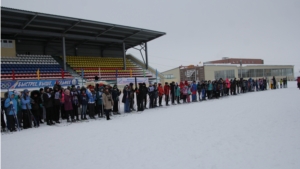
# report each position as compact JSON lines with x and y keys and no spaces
{"x":126,"y":94}
{"x":57,"y":97}
{"x":194,"y":88}
{"x":107,"y":101}
{"x":209,"y":86}
{"x":91,"y":96}
{"x":99,"y":95}
{"x":189,"y":91}
{"x":150,"y":90}
{"x":48,"y":100}
{"x":172,"y":88}
{"x":198,"y":87}
{"x":35,"y":105}
{"x":227,"y":83}
{"x":68,"y":102}
{"x":10,"y":108}
{"x":185,"y":90}
{"x":160,"y":90}
{"x":167,"y":90}
{"x":25,"y":100}
{"x":84,"y":99}
{"x":115,"y":94}
{"x":177,"y":92}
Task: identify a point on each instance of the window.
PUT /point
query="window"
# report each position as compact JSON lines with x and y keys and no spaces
{"x":267,"y":72}
{"x":224,"y":74}
{"x":259,"y":73}
{"x":252,"y":73}
{"x":169,"y":76}
{"x":245,"y":73}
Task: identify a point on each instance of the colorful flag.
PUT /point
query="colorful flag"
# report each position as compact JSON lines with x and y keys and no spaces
{"x":130,"y":72}
{"x":38,"y":73}
{"x":13,"y":74}
{"x":62,"y":73}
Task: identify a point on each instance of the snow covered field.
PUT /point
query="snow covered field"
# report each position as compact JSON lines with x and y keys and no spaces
{"x":258,"y":130}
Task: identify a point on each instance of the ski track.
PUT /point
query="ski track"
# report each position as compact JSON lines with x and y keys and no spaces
{"x":254,"y":130}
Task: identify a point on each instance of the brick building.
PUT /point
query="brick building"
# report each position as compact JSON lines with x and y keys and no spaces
{"x":227,"y":60}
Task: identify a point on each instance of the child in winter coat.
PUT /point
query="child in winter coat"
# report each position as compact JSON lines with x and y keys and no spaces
{"x":10,"y":109}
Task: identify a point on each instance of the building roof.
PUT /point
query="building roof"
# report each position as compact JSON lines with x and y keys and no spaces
{"x":27,"y":25}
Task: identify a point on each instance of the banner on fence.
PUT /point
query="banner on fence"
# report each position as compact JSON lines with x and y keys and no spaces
{"x":126,"y":81}
{"x":24,"y":84}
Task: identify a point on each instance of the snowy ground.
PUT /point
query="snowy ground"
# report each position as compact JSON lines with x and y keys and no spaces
{"x":255,"y":130}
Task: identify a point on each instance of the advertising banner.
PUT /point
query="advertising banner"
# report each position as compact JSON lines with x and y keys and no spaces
{"x":27,"y":84}
{"x":126,"y":81}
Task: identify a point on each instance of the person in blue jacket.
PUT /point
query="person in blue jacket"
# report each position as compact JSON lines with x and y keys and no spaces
{"x":26,"y":108}
{"x":194,"y":91}
{"x":10,"y":108}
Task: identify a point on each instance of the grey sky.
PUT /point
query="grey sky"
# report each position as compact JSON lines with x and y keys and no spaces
{"x":198,"y":30}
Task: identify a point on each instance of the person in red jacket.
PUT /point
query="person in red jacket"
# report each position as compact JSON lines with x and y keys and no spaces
{"x":167,"y":93}
{"x":160,"y":93}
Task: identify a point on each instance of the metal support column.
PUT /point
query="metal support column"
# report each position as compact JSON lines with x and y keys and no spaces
{"x":64,"y":52}
{"x":146,"y":51}
{"x":124,"y":57}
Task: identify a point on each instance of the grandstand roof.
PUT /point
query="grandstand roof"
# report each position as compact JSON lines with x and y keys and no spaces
{"x":27,"y":25}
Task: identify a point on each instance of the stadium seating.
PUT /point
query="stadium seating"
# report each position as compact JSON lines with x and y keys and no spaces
{"x":107,"y":65}
{"x":26,"y":66}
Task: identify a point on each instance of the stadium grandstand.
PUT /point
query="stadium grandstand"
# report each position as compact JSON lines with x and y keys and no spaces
{"x":39,"y":46}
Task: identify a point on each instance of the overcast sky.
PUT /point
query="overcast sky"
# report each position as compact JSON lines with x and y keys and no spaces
{"x":198,"y":30}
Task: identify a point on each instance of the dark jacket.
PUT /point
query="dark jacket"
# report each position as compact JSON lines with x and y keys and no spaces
{"x":48,"y":99}
{"x":115,"y":94}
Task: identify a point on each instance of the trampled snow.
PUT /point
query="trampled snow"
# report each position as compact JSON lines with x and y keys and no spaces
{"x":258,"y":130}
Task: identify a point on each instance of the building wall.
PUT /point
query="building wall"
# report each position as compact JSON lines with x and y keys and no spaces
{"x":173,"y":72}
{"x":280,"y":71}
{"x":256,"y":72}
{"x":209,"y":70}
{"x":8,"y":48}
{"x":237,"y":61}
{"x":184,"y":73}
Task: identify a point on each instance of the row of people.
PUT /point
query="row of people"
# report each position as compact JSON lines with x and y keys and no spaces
{"x":58,"y":103}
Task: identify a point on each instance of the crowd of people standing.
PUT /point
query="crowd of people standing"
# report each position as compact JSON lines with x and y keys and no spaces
{"x":73,"y":104}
